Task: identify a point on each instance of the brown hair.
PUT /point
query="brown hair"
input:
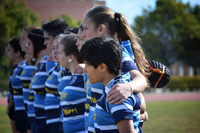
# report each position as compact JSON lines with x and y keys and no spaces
{"x":29,"y":28}
{"x":118,"y":27}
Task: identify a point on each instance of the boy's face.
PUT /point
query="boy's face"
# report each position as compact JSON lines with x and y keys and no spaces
{"x":94,"y":75}
{"x":48,"y":41}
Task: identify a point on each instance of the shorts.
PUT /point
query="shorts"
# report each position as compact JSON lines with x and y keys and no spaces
{"x":54,"y":127}
{"x":20,"y":121}
{"x":41,"y":126}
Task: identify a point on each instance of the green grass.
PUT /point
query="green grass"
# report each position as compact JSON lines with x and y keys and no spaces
{"x":173,"y":117}
{"x":164,"y":117}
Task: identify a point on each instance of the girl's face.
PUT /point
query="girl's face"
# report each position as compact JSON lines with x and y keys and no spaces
{"x":29,"y":48}
{"x":10,"y":54}
{"x":80,"y":42}
{"x":89,"y":30}
{"x":55,"y":54}
{"x":63,"y":59}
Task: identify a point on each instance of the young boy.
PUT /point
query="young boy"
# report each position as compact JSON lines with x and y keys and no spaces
{"x":103,"y":59}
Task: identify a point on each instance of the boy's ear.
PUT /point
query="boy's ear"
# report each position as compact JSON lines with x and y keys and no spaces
{"x":101,"y":29}
{"x":17,"y":53}
{"x":103,"y":67}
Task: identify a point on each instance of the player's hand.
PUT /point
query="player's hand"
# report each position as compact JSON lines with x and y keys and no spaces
{"x":118,"y":93}
{"x":79,"y":68}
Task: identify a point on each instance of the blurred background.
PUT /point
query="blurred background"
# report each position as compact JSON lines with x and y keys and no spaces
{"x":169,"y":32}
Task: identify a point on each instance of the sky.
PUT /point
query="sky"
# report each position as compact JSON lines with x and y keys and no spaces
{"x":133,"y":8}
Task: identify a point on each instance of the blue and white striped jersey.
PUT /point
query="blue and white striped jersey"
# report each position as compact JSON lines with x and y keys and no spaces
{"x":128,"y":63}
{"x":87,"y":103}
{"x":30,"y":106}
{"x":52,"y":100}
{"x":38,"y":85}
{"x":17,"y":87}
{"x":26,"y":76}
{"x":73,"y":100}
{"x":107,"y":115}
{"x":9,"y":86}
{"x":66,"y":76}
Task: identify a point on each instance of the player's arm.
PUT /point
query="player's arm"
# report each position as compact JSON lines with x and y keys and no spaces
{"x":120,"y":92}
{"x":126,"y":126}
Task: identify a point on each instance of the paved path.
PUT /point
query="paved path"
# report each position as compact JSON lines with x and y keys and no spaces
{"x":151,"y":97}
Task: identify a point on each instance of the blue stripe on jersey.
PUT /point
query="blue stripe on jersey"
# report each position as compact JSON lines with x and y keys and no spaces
{"x":96,"y":93}
{"x":87,"y":103}
{"x":66,"y":76}
{"x":30,"y":106}
{"x":52,"y":100}
{"x":38,"y":85}
{"x":107,"y":115}
{"x":17,"y":87}
{"x":73,"y":104}
{"x":26,"y":76}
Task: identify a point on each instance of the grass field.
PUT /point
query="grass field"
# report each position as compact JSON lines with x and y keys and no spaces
{"x":164,"y":117}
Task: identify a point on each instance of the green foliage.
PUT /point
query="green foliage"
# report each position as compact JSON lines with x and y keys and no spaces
{"x":184,"y":83}
{"x":14,"y":16}
{"x":171,"y":32}
{"x":70,"y":21}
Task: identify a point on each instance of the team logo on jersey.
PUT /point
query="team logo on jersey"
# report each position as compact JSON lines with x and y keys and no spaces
{"x":73,"y":79}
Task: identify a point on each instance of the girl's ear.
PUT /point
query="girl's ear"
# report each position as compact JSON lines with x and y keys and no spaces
{"x":101,"y":29}
{"x":17,"y":53}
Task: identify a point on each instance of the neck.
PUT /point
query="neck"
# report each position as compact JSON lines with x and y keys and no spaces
{"x":107,"y":78}
{"x":40,"y":55}
{"x":18,"y":60}
{"x":73,"y":65}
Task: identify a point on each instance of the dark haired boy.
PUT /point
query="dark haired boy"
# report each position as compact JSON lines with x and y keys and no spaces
{"x":103,"y":59}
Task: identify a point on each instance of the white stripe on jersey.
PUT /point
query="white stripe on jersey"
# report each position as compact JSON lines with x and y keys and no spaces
{"x":39,"y":106}
{"x":31,"y":115}
{"x":38,"y":86}
{"x":108,"y":127}
{"x":25,"y":78}
{"x":51,"y":95}
{"x":98,"y":107}
{"x":17,"y":77}
{"x":119,"y":107}
{"x":100,"y":91}
{"x":42,"y":73}
{"x":75,"y":88}
{"x":66,"y":77}
{"x":92,"y":108}
{"x":91,"y":129}
{"x":73,"y":102}
{"x":19,"y":108}
{"x":136,"y":111}
{"x":17,"y":87}
{"x":31,"y":67}
{"x":55,"y":73}
{"x":53,"y":120}
{"x":73,"y":118}
{"x":26,"y":101}
{"x":51,"y":85}
{"x":127,"y":59}
{"x":42,"y":117}
{"x":18,"y":97}
{"x":86,"y":114}
{"x":25,"y":90}
{"x":51,"y":107}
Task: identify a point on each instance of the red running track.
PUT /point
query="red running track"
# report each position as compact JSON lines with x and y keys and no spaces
{"x":152,"y":97}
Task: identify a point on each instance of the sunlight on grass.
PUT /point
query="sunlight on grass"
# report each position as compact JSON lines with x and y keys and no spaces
{"x":173,"y":117}
{"x":164,"y":117}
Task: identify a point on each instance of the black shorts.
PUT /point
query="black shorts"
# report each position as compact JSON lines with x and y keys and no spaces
{"x":21,"y":121}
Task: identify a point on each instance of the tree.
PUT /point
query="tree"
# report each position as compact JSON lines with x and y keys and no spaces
{"x":70,"y":21}
{"x":14,"y":16}
{"x":171,"y":32}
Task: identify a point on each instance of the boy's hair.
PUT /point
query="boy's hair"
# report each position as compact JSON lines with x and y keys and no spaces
{"x":103,"y":50}
{"x":55,"y":27}
{"x":71,"y":31}
{"x":14,"y":43}
{"x":69,"y":43}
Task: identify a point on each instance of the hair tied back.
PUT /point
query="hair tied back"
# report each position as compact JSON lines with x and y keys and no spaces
{"x":116,"y":15}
